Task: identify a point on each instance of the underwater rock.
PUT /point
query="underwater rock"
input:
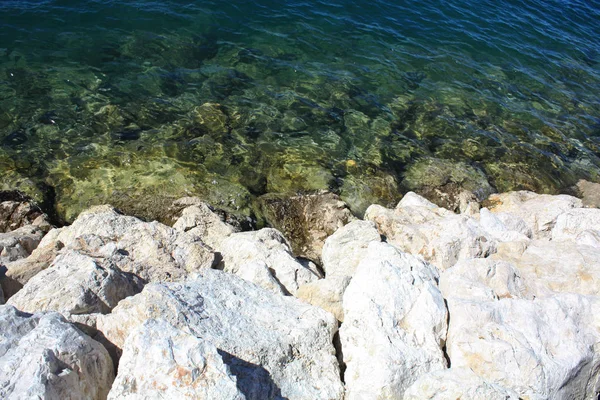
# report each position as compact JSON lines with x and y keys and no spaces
{"x":395,"y":323}
{"x":443,"y":181}
{"x":164,"y":362}
{"x":275,"y":346}
{"x":306,"y":220}
{"x":43,"y":356}
{"x":360,"y":190}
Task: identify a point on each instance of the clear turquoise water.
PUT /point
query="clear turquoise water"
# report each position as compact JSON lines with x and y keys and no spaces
{"x":138,"y":102}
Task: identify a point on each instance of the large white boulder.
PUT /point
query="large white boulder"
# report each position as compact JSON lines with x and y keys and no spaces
{"x":275,"y":345}
{"x":581,"y":225}
{"x":76,"y":284}
{"x":160,"y":361}
{"x":441,"y":237}
{"x":42,"y":356}
{"x":242,"y":251}
{"x":394,"y":326}
{"x":326,"y":293}
{"x":456,"y":383}
{"x":539,"y":211}
{"x":542,"y":349}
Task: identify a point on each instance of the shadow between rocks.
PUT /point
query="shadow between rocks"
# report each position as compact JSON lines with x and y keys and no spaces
{"x":253,"y":381}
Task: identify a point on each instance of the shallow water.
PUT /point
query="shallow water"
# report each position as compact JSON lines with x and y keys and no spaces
{"x":139,"y":102}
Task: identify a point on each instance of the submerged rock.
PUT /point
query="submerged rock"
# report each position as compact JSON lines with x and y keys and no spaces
{"x":394,"y":326}
{"x":306,"y":220}
{"x":160,"y":361}
{"x":275,"y":346}
{"x":45,"y":357}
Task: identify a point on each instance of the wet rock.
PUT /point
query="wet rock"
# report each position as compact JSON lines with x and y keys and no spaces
{"x":163,"y":362}
{"x":360,"y":190}
{"x":211,"y":117}
{"x":394,"y":324}
{"x":152,"y":251}
{"x":539,"y":211}
{"x":76,"y":284}
{"x":16,"y":214}
{"x":43,"y":356}
{"x":456,"y":383}
{"x":265,"y":258}
{"x":275,"y":346}
{"x":441,"y":237}
{"x":306,"y":220}
{"x":199,"y":220}
{"x":445,"y":182}
{"x":520,"y":344}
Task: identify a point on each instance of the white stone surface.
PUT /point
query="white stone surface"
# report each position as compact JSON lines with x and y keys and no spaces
{"x":394,"y":326}
{"x":200,"y":221}
{"x":274,"y":345}
{"x":241,"y":251}
{"x":326,"y":293}
{"x":76,"y":284}
{"x":163,"y":362}
{"x":45,"y":357}
{"x":456,"y":383}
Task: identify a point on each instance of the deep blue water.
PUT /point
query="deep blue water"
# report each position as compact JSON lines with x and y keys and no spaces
{"x":106,"y":101}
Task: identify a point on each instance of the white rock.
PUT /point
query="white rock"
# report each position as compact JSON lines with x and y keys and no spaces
{"x":326,"y":293}
{"x":438,"y":235}
{"x":394,"y":324}
{"x":274,"y":345}
{"x":456,"y":383}
{"x":76,"y":284}
{"x":20,"y":242}
{"x":347,"y":246}
{"x":556,"y":266}
{"x":411,"y":199}
{"x":494,"y":225}
{"x":162,"y":362}
{"x":484,"y":279}
{"x":153,"y":251}
{"x":243,"y":250}
{"x":258,"y":272}
{"x":542,"y":349}
{"x":200,"y":221}
{"x":45,"y":357}
{"x":581,"y":225}
{"x":539,"y":211}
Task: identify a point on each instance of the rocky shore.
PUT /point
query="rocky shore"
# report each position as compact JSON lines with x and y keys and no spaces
{"x":500,"y":300}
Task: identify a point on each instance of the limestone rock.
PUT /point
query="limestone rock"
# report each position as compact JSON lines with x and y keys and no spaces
{"x":276,"y":346}
{"x":19,"y":243}
{"x":502,"y":227}
{"x":16,"y":212}
{"x":589,"y":192}
{"x":153,"y":251}
{"x":581,"y":225}
{"x":306,"y":220}
{"x":542,"y":349}
{"x":76,"y":284}
{"x":344,"y":250}
{"x":326,"y":293}
{"x":394,"y":324}
{"x":556,"y":266}
{"x":200,"y":220}
{"x":45,"y":357}
{"x":242,"y":251}
{"x":539,"y":211}
{"x":456,"y":383}
{"x":162,"y":362}
{"x":441,"y":237}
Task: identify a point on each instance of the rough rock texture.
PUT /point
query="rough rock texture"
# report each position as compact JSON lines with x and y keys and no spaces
{"x":394,"y":324}
{"x":345,"y":249}
{"x":20,"y":242}
{"x":45,"y":357}
{"x":163,"y":362}
{"x":76,"y":284}
{"x":306,"y":220}
{"x":326,"y":293}
{"x":456,"y":383}
{"x":441,"y":237}
{"x":201,"y":220}
{"x":581,"y":225}
{"x":589,"y":192}
{"x":542,"y":349}
{"x":274,"y":345}
{"x":484,"y":279}
{"x":267,"y":247}
{"x":152,"y":251}
{"x":15,"y":214}
{"x":539,"y":211}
